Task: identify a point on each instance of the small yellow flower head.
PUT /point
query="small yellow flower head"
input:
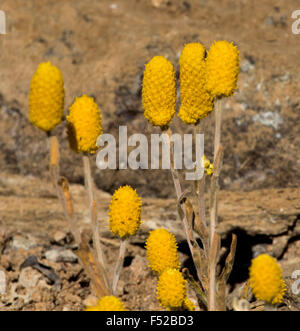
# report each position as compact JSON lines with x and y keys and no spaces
{"x":188,"y":304}
{"x":196,"y":102}
{"x":208,"y":167}
{"x":171,"y":289}
{"x":162,"y":251}
{"x":266,"y":279}
{"x":46,"y":97}
{"x":84,"y":124}
{"x":222,"y":68}
{"x":107,"y":303}
{"x":125,"y":212}
{"x":159,"y":91}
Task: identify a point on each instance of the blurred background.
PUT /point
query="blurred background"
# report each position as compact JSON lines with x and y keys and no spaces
{"x":101,"y":48}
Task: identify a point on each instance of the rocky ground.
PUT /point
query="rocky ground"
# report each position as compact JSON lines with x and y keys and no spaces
{"x":32,"y":224}
{"x":101,"y":47}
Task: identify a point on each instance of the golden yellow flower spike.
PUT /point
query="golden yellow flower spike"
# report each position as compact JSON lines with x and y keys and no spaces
{"x":125,"y":212}
{"x":222,"y":68}
{"x":84,"y":124}
{"x":46,"y":97}
{"x":196,"y":102}
{"x":171,"y":289}
{"x":266,"y":279}
{"x":107,"y":303}
{"x":162,"y":251}
{"x":159,"y":91}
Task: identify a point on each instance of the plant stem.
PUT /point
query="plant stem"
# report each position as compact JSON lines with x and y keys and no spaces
{"x":218,"y":122}
{"x":200,"y":186}
{"x":119,"y":264}
{"x":175,"y":177}
{"x":214,"y":238}
{"x":66,"y":202}
{"x":89,"y":184}
{"x":88,"y":180}
{"x":62,"y":188}
{"x":97,"y":244}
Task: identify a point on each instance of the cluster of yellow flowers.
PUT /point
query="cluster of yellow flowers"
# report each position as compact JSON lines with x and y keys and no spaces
{"x":46,"y":109}
{"x":46,"y":97}
{"x":159,"y":76}
{"x":84,"y":124}
{"x":125,"y":212}
{"x":162,"y":251}
{"x":163,"y":259}
{"x":202,"y":79}
{"x":266,"y":279}
{"x":196,"y":101}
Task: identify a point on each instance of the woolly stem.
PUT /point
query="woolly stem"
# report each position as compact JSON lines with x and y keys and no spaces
{"x":200,"y":187}
{"x":88,"y":180}
{"x":214,"y":238}
{"x":178,"y":190}
{"x":218,"y":122}
{"x":119,"y":264}
{"x":62,"y":188}
{"x":98,"y":246}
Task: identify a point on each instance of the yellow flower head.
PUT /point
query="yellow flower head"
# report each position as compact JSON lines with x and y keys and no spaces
{"x":196,"y":102}
{"x":125,"y":212}
{"x":222,"y":68}
{"x":188,"y":304}
{"x":171,"y":289}
{"x":162,"y":251}
{"x":208,"y":167}
{"x":46,"y":97}
{"x":84,"y":124}
{"x":107,"y":303}
{"x":159,"y":91}
{"x":266,"y":279}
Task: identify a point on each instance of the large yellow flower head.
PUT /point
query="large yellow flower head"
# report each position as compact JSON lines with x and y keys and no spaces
{"x":107,"y":303}
{"x":84,"y":124}
{"x":171,"y":289}
{"x":159,"y":91}
{"x":46,"y":97}
{"x":162,"y":251}
{"x":266,"y":279}
{"x":222,"y":68}
{"x":125,"y":212}
{"x":196,"y":102}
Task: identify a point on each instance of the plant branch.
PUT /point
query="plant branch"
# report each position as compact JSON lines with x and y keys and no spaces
{"x":97,"y":244}
{"x":119,"y":264}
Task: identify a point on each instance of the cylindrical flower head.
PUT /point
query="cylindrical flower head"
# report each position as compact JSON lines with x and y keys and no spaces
{"x":46,"y":97}
{"x":266,"y":279}
{"x":107,"y":303}
{"x":196,"y":102}
{"x":222,"y":68}
{"x":159,"y":91}
{"x":125,"y":212}
{"x":84,"y":124}
{"x":171,"y":289}
{"x":162,"y":251}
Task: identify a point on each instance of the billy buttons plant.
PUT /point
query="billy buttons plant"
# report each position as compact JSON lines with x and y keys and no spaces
{"x":205,"y":77}
{"x":84,"y":127}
